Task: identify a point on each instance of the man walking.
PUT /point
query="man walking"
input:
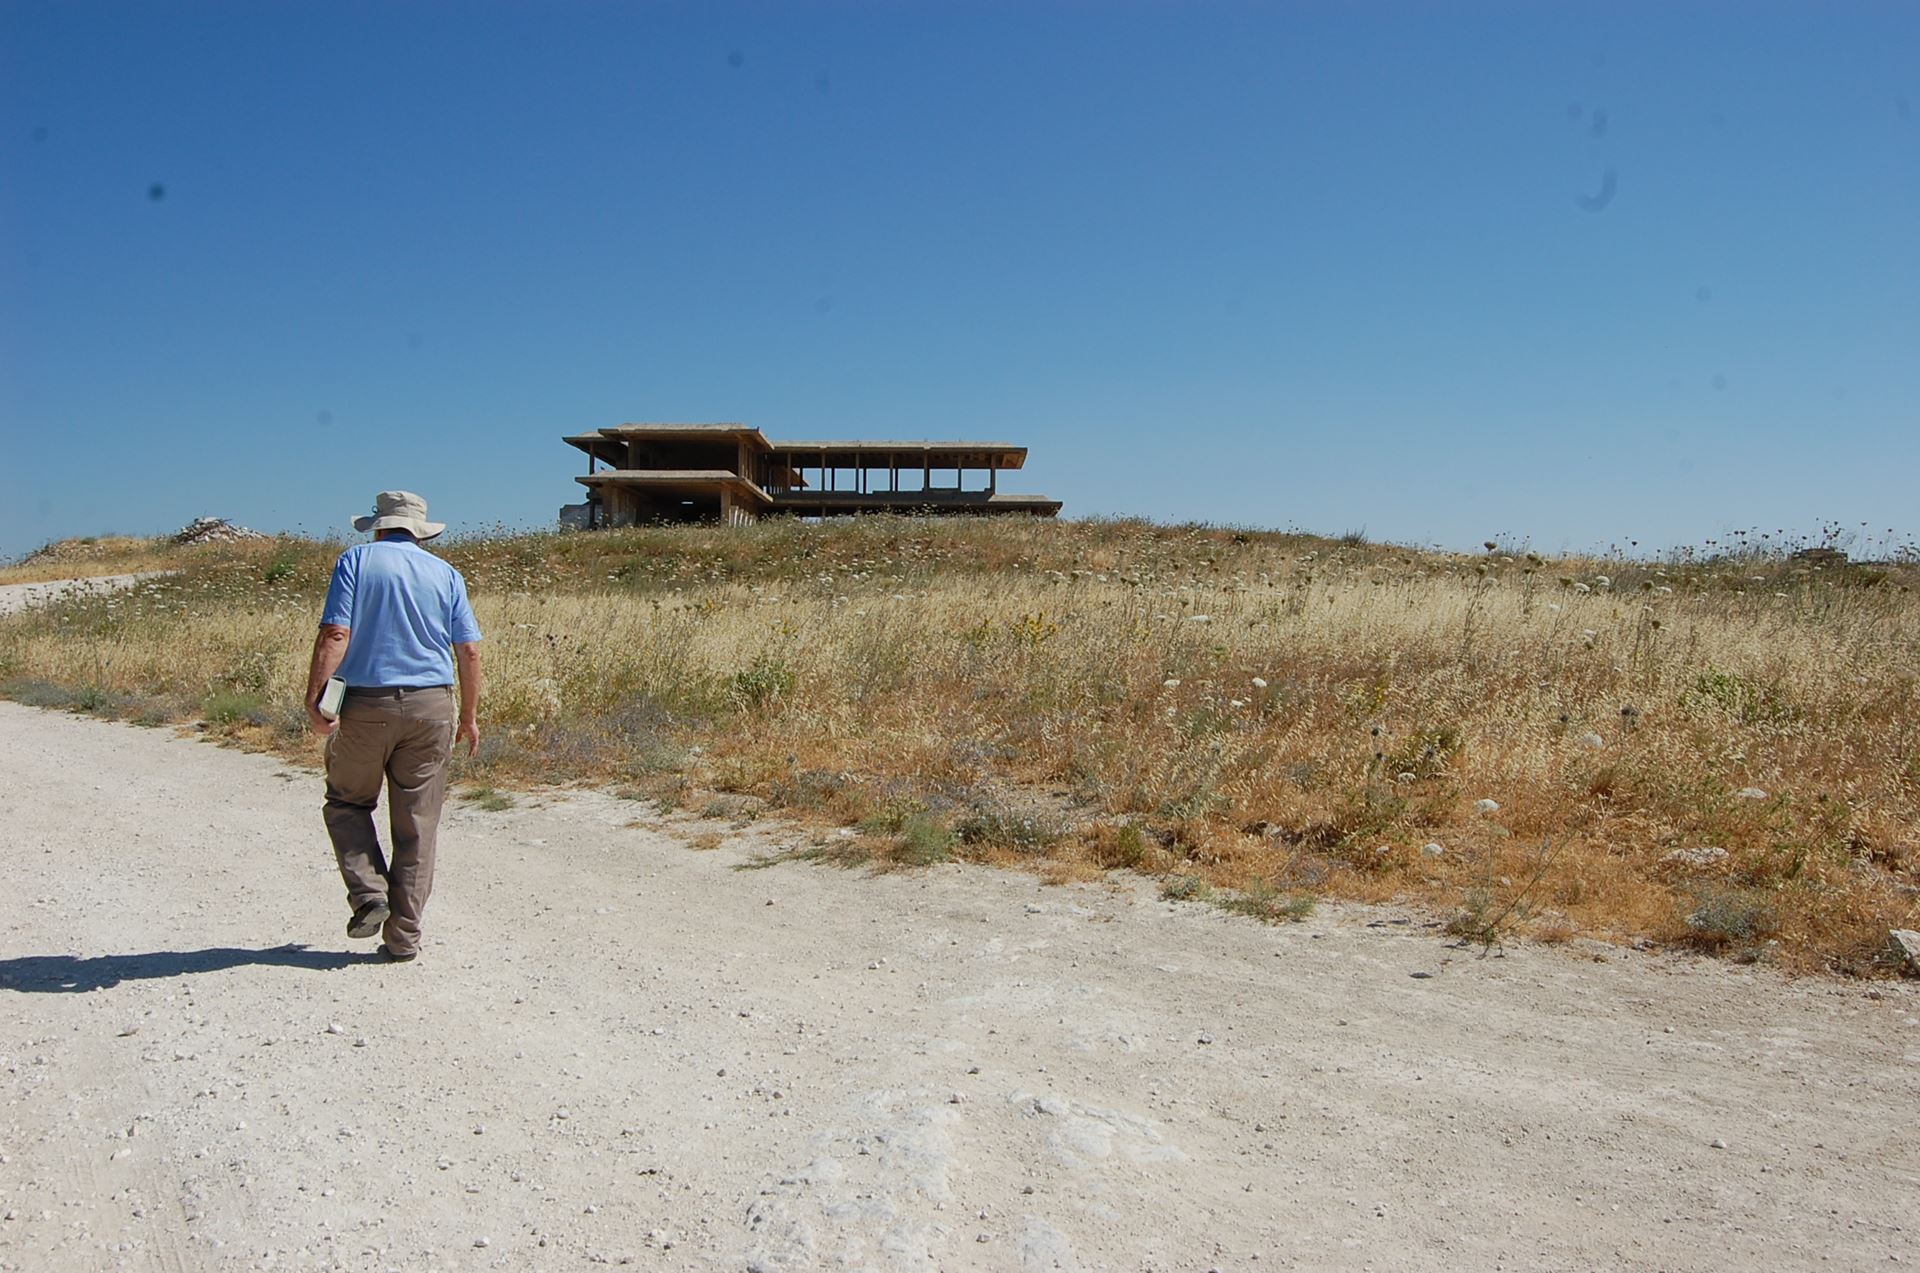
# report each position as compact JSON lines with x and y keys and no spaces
{"x":395,"y":622}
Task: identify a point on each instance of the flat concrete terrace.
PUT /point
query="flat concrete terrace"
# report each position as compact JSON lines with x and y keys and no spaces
{"x":676,"y":480}
{"x":828,"y":503}
{"x":733,"y":473}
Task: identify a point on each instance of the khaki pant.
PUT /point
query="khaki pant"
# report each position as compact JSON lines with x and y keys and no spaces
{"x":401,"y":737}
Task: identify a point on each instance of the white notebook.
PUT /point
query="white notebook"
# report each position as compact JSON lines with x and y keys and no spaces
{"x":331,"y":697}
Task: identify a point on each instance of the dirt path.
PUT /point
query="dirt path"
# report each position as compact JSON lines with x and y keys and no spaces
{"x":618,"y":1048}
{"x":18,"y":596}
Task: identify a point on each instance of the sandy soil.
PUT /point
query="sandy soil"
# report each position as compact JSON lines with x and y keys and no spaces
{"x":616,"y":1048}
{"x":18,"y":596}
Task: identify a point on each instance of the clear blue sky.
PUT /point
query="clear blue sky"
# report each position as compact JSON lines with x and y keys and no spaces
{"x":1577,"y":273}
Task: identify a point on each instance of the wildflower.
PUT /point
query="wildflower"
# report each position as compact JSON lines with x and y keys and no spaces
{"x":1259,"y":682}
{"x":1235,"y":703}
{"x":1172,"y":683}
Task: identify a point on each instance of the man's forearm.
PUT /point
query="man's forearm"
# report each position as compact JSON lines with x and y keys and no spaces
{"x":469,"y":662}
{"x":329,"y":647}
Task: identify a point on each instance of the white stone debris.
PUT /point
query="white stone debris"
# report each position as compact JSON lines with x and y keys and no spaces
{"x":1704,"y":855}
{"x":1905,"y":943}
{"x":213,"y":530}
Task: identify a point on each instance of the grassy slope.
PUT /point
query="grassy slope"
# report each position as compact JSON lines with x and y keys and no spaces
{"x":92,"y":557}
{"x":1258,"y":717}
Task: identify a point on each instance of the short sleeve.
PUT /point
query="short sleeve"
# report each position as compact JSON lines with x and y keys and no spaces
{"x":338,"y":610}
{"x":466,"y":628}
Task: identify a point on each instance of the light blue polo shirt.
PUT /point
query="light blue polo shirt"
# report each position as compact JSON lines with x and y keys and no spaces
{"x":406,"y":609}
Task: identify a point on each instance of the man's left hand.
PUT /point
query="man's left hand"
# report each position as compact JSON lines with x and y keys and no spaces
{"x":321,"y":725}
{"x":469,"y":729}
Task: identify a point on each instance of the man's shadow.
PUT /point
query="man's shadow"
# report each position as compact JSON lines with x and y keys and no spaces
{"x":68,"y":974}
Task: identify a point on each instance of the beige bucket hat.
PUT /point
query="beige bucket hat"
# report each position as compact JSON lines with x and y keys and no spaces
{"x":399,"y":510}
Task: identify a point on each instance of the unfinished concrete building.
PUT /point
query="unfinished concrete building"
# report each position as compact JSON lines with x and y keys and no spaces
{"x":644,"y":473}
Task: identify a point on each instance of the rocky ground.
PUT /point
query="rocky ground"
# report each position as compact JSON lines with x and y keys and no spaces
{"x":619,"y":1049}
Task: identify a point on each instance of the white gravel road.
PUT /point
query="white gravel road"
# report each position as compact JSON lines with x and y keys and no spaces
{"x":616,"y":1048}
{"x":18,"y":596}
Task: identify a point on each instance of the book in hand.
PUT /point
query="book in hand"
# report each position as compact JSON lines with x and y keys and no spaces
{"x":331,"y":697}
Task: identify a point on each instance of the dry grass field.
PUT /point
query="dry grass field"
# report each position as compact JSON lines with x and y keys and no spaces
{"x":92,"y":556}
{"x":1720,"y":753}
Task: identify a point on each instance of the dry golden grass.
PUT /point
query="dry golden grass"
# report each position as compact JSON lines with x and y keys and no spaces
{"x":92,"y":557}
{"x":1269,"y":717}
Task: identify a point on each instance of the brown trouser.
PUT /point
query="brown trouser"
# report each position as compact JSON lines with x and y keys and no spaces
{"x":401,"y":737}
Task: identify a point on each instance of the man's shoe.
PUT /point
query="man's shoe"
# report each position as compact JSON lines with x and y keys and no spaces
{"x":368,"y":920}
{"x":393,"y":956}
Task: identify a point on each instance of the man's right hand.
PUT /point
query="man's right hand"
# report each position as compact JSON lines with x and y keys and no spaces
{"x":320,"y":724}
{"x":469,"y":729}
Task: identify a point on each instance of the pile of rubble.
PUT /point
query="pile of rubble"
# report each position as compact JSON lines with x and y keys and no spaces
{"x":213,"y":530}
